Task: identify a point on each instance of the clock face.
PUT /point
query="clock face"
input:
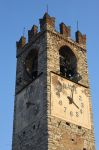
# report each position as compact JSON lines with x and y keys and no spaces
{"x":70,"y":101}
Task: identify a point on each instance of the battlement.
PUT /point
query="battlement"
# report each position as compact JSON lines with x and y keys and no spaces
{"x":48,"y":23}
{"x":80,"y":38}
{"x":21,"y":43}
{"x":32,"y":33}
{"x":65,"y":30}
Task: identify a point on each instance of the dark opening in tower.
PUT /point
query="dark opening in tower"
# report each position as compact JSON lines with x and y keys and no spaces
{"x":31,"y":64}
{"x":68,"y":62}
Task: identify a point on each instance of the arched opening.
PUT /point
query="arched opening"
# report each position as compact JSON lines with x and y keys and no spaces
{"x":68,"y":62}
{"x":31,"y":64}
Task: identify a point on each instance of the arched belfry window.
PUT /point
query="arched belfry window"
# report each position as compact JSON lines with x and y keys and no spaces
{"x":31,"y":64}
{"x":68,"y":62}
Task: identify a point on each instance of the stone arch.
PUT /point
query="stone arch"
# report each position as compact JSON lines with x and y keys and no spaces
{"x":68,"y":62}
{"x":31,"y":63}
{"x":71,"y":47}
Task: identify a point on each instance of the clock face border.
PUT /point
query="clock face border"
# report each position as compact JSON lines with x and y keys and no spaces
{"x":59,"y":105}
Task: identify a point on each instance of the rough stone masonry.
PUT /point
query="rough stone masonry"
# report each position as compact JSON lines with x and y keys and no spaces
{"x":34,"y":127}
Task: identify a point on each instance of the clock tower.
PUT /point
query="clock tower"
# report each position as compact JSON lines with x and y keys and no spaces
{"x":53,"y":109}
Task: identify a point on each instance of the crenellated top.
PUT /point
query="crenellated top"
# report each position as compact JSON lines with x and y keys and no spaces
{"x":65,"y":30}
{"x":80,"y":38}
{"x":32,"y":33}
{"x":21,"y":43}
{"x":48,"y":23}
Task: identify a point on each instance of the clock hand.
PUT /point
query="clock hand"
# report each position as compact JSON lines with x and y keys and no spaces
{"x":28,"y":104}
{"x":75,"y":104}
{"x":70,"y":99}
{"x":72,"y":96}
{"x":73,"y":88}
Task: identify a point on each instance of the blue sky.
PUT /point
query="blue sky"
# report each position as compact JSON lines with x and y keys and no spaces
{"x":17,"y":14}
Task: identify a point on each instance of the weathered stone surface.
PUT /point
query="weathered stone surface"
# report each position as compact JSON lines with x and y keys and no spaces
{"x":46,"y":132}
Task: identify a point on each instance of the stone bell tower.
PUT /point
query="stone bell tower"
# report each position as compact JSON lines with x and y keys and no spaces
{"x":52,"y":108}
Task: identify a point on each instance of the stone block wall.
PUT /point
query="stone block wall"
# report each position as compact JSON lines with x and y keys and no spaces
{"x":34,"y":133}
{"x":46,"y":132}
{"x":64,"y":135}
